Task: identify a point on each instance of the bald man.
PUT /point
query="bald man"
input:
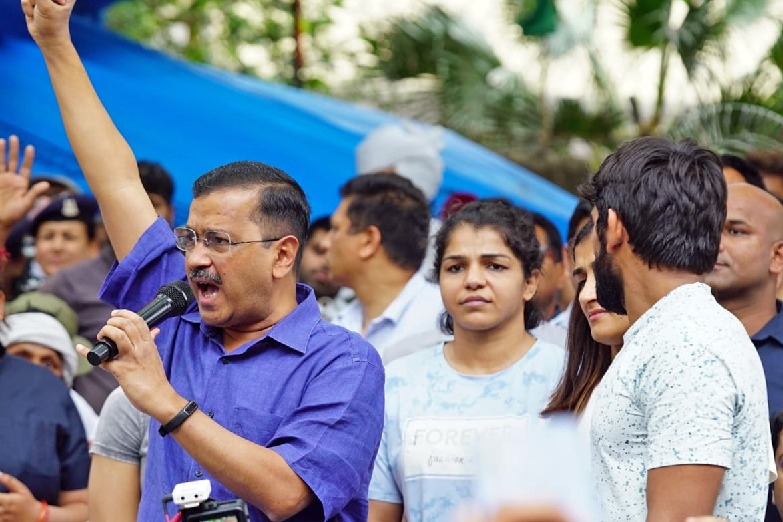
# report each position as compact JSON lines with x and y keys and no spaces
{"x":744,"y":279}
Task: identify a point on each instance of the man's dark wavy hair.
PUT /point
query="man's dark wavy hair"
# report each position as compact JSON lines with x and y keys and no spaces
{"x":671,"y":198}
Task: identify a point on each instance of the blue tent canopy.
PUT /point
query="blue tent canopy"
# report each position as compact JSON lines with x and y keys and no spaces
{"x":192,"y":118}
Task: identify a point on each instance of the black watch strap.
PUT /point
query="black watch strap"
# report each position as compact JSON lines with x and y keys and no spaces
{"x":189,"y":409}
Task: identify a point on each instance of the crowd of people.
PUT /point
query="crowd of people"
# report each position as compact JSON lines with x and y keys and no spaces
{"x":357,"y":366}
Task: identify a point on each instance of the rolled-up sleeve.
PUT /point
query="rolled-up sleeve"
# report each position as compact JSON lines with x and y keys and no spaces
{"x":153,"y":262}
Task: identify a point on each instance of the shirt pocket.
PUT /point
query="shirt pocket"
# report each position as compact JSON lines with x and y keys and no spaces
{"x":256,"y":426}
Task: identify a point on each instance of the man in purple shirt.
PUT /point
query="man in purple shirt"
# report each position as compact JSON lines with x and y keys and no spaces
{"x":251,"y":389}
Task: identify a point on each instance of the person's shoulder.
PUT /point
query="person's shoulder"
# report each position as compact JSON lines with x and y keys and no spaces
{"x":341,"y":341}
{"x":544,"y":360}
{"x":156,"y":240}
{"x":549,"y":333}
{"x":117,"y":404}
{"x":693,"y":322}
{"x":418,"y":306}
{"x":771,"y":334}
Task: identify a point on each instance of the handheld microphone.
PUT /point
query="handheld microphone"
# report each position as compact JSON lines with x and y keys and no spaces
{"x":171,"y":300}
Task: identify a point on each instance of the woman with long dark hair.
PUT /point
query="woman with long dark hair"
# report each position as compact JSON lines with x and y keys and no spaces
{"x":594,"y":335}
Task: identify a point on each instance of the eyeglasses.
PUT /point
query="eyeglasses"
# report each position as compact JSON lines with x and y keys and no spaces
{"x":215,"y":240}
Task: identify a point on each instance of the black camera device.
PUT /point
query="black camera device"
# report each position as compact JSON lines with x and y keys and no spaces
{"x":195,"y":504}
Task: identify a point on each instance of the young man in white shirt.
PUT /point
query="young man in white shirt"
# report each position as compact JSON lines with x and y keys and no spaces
{"x":680,"y":426}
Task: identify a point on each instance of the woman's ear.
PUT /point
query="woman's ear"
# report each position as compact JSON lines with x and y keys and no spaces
{"x":531,"y":285}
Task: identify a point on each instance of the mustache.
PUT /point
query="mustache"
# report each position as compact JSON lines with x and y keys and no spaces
{"x":203,"y":273}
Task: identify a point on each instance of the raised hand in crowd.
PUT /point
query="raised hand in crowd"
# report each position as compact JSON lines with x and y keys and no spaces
{"x":15,"y":193}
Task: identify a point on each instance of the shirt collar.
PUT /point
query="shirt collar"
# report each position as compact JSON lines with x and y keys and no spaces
{"x":292,"y":331}
{"x":773,"y":329}
{"x":397,"y":307}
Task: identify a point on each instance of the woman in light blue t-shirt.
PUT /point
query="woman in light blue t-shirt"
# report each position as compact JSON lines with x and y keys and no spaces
{"x":492,"y":378}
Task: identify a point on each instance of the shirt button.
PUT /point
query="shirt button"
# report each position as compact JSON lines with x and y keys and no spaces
{"x":199,"y":473}
{"x":225,"y":360}
{"x":210,"y":414}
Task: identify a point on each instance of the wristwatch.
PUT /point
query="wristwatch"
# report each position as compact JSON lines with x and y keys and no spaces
{"x":184,"y":414}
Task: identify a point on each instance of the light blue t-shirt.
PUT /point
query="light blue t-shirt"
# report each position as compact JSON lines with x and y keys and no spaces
{"x":434,"y":417}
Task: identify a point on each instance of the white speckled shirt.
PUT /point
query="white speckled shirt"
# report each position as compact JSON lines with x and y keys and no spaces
{"x":687,"y":388}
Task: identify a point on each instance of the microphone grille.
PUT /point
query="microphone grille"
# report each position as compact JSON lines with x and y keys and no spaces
{"x":181,"y":296}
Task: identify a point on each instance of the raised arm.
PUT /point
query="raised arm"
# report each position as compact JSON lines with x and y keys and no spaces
{"x":103,"y":154}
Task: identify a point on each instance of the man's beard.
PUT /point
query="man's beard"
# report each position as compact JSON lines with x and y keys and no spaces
{"x":608,"y":283}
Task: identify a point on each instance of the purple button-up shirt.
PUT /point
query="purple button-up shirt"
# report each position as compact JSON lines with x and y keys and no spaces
{"x":310,"y":391}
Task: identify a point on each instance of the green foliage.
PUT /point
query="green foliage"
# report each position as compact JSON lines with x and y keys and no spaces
{"x":471,"y":93}
{"x":435,"y":43}
{"x":459,"y":82}
{"x":250,"y":36}
{"x":775,"y":55}
{"x":538,"y":19}
{"x":655,"y":25}
{"x":734,"y":128}
{"x":573,"y":119}
{"x":761,"y":87}
{"x":646,"y":23}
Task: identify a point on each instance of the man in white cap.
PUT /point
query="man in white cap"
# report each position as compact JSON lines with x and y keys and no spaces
{"x":41,"y":339}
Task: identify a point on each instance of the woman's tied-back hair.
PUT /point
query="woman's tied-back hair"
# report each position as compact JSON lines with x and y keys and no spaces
{"x":513,"y":224}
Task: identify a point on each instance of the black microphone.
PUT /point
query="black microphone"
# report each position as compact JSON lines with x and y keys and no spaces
{"x":172,"y":300}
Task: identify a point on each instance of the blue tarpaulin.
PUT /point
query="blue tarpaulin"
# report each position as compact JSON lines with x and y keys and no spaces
{"x":192,"y":118}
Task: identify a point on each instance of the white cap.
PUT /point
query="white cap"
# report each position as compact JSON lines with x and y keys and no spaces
{"x":412,"y":150}
{"x":43,"y":329}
